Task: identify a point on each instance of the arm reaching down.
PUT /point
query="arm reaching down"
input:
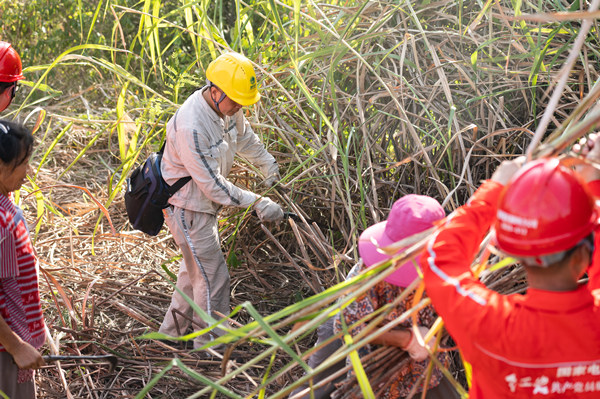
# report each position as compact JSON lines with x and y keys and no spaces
{"x":25,"y":355}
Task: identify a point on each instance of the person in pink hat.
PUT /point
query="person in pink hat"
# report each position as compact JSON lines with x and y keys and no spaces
{"x":409,"y":215}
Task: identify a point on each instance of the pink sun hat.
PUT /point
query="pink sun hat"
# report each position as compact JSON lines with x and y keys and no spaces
{"x":410,"y":215}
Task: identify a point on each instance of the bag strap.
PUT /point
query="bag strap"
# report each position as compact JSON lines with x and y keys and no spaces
{"x":179,"y":183}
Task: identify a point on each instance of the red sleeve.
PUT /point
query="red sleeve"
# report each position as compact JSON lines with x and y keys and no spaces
{"x":594,"y":187}
{"x":456,"y":294}
{"x":594,"y":270}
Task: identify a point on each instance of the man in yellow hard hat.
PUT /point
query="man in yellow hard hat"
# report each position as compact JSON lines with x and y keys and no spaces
{"x":203,"y":137}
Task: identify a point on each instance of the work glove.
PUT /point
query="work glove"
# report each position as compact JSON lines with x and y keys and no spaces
{"x":417,"y":350}
{"x":507,"y":170}
{"x":588,"y":147}
{"x":271,"y":180}
{"x":268,"y":211}
{"x":271,"y":173}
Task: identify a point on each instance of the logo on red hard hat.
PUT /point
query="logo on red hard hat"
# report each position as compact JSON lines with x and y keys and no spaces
{"x":516,"y":224}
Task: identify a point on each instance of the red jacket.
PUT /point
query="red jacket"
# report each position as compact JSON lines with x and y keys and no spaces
{"x":543,"y":344}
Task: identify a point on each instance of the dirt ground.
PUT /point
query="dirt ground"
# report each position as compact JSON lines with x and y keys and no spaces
{"x":104,"y":289}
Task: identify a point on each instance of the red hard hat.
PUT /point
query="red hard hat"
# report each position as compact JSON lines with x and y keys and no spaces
{"x":545,"y":208}
{"x":10,"y":64}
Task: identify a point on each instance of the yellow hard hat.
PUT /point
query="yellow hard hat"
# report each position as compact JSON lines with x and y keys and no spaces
{"x":233,"y":73}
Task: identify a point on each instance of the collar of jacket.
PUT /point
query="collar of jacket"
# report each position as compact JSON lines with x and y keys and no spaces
{"x":207,"y":108}
{"x":559,"y":302}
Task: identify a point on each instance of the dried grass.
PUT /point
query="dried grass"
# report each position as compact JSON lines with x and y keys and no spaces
{"x":103,"y":291}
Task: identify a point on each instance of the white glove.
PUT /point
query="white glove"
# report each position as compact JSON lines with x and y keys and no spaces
{"x":507,"y":170}
{"x":271,"y":180}
{"x":589,"y":148}
{"x":415,"y":349}
{"x":268,"y":211}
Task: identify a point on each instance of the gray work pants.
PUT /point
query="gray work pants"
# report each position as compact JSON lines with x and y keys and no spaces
{"x":324,"y":332}
{"x":444,"y":390}
{"x":203,"y":274}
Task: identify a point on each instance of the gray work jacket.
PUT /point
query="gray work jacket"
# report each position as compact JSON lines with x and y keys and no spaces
{"x":202,"y":145}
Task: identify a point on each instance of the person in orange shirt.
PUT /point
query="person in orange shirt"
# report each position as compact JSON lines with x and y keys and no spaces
{"x":543,"y":343}
{"x":10,"y":74}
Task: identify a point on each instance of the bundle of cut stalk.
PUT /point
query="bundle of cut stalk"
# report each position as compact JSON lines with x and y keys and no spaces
{"x":380,"y":365}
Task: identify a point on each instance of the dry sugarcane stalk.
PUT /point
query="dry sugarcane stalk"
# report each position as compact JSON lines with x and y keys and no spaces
{"x":562,"y":78}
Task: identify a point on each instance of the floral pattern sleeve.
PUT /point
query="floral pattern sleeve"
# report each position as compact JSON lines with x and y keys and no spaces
{"x":383,"y":293}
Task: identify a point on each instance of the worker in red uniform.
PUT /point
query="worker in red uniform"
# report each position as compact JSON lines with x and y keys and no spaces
{"x":10,"y":74}
{"x":546,"y":343}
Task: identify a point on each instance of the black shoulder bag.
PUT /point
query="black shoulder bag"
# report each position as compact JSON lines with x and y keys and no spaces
{"x":148,"y":194}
